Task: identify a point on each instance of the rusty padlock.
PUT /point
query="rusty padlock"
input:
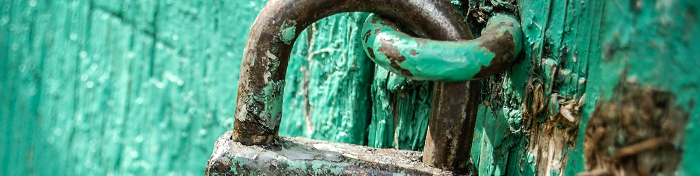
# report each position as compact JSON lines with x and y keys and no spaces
{"x":254,"y":146}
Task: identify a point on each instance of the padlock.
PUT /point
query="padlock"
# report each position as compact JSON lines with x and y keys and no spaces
{"x":254,"y":147}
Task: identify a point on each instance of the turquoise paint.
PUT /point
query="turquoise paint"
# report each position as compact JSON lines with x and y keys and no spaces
{"x":272,"y":112}
{"x":400,"y":111}
{"x":163,"y":85}
{"x":436,"y":60}
{"x":287,"y":32}
{"x":328,"y":82}
{"x":411,"y":122}
{"x":553,"y":42}
{"x":382,"y":124}
{"x":117,"y":87}
{"x":328,"y":79}
{"x":413,"y":102}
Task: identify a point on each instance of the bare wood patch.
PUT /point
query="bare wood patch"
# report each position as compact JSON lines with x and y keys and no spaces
{"x":638,"y":132}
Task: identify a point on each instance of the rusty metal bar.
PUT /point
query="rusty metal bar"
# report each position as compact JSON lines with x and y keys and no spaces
{"x":448,"y":141}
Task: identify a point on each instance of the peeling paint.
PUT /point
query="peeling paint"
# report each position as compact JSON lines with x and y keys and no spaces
{"x":268,"y":104}
{"x":288,"y":31}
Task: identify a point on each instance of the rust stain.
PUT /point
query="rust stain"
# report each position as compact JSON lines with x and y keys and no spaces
{"x":367,"y":34}
{"x":394,"y":56}
{"x":501,"y":45}
{"x":413,"y":52}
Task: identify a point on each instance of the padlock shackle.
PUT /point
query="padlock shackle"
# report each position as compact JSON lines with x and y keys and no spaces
{"x":265,"y":58}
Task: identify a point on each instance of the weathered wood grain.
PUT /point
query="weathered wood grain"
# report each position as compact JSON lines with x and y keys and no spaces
{"x":139,"y":87}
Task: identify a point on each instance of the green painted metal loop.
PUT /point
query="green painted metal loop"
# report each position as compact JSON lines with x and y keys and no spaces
{"x":425,"y":59}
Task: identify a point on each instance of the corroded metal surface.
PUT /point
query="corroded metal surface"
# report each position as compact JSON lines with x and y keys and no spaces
{"x":259,"y":103}
{"x":426,"y":59}
{"x":301,"y":156}
{"x":448,"y":141}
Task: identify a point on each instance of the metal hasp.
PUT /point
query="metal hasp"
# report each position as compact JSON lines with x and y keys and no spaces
{"x":455,"y":104}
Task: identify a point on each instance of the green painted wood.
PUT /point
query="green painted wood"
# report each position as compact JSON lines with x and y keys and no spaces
{"x":400,"y":111}
{"x":556,"y":34}
{"x":654,"y":43}
{"x":327,"y":95}
{"x":117,"y":87}
{"x":143,"y":87}
{"x":589,"y":45}
{"x":137,"y":87}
